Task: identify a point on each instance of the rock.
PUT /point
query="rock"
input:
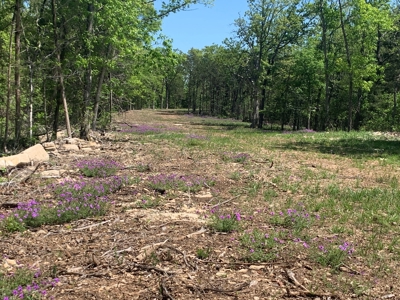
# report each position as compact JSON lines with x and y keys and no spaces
{"x":87,"y":149}
{"x":253,"y":267}
{"x":204,"y":196}
{"x":71,"y":141}
{"x":242,"y":271}
{"x":70,"y":147}
{"x":31,"y":155}
{"x":50,"y":174}
{"x":93,"y":144}
{"x":36,"y":153}
{"x":49,"y":146}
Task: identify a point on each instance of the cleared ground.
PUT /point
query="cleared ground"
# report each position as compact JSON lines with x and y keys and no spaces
{"x":319,"y":215}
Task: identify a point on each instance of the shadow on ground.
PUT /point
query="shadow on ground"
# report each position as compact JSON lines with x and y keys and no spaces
{"x":359,"y":148}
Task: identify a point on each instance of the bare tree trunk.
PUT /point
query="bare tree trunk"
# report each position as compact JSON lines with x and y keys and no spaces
{"x":394,"y":111}
{"x":111,"y":97}
{"x":326,"y":121}
{"x":30,"y":99}
{"x":17,"y":75}
{"x":8,"y":90}
{"x":346,"y":44}
{"x":60,"y":73}
{"x":85,"y":122}
{"x":256,"y":106}
{"x":97,"y":98}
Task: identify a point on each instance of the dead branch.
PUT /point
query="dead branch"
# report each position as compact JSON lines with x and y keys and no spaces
{"x":146,"y":250}
{"x":293,"y":279}
{"x":166,"y":295}
{"x":183,"y":254}
{"x":310,"y":294}
{"x":91,"y":226}
{"x":211,"y":289}
{"x":149,"y":268}
{"x":305,"y":292}
{"x":202,"y":230}
{"x":34,"y":171}
{"x":225,"y":201}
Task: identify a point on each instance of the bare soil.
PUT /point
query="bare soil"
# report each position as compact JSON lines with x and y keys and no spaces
{"x":151,"y":253}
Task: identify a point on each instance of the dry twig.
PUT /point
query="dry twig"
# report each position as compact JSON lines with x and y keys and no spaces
{"x":166,"y":295}
{"x":183,"y":254}
{"x":211,"y":289}
{"x":150,"y":268}
{"x":225,"y":201}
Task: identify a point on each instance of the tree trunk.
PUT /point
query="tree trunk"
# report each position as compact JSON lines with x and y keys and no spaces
{"x":30,"y":99}
{"x":60,"y":77}
{"x":7,"y":120}
{"x":394,"y":111}
{"x":346,"y":44}
{"x":256,"y":106}
{"x":17,"y":75}
{"x":262,"y":104}
{"x":97,"y":97}
{"x":111,"y":97}
{"x":326,"y":120}
{"x":85,"y":122}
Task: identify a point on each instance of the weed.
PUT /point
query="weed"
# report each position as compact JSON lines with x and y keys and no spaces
{"x":221,"y":222}
{"x":143,"y":167}
{"x":24,"y":283}
{"x":333,"y":255}
{"x":260,"y":246}
{"x":148,"y":202}
{"x":98,"y":167}
{"x":235,"y":157}
{"x":235,"y":175}
{"x":203,"y":253}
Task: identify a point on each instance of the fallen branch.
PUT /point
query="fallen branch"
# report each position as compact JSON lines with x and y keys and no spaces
{"x":311,"y":294}
{"x":202,"y":230}
{"x":275,"y":186}
{"x":164,"y":291}
{"x":293,"y":279}
{"x":305,"y":292}
{"x":285,"y":264}
{"x":34,"y":171}
{"x":117,"y":252}
{"x":151,"y":268}
{"x":91,"y":226}
{"x":211,"y":289}
{"x":146,"y":250}
{"x":225,"y":201}
{"x":183,"y":254}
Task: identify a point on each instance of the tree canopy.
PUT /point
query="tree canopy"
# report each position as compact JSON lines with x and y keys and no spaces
{"x":321,"y":65}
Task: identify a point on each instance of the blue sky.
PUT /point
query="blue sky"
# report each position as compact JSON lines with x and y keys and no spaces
{"x":202,"y":26}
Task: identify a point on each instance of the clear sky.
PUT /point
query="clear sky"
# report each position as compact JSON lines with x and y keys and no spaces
{"x":202,"y":26}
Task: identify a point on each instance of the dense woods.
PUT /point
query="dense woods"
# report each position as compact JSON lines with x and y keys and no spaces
{"x":321,"y":65}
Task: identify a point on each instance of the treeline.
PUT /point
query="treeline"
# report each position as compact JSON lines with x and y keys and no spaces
{"x":322,"y":65}
{"x":73,"y":62}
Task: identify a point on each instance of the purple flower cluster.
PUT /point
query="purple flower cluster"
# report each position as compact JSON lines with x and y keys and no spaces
{"x":235,"y":157}
{"x":197,"y":137}
{"x":98,"y":167}
{"x":127,"y":128}
{"x":224,"y":222}
{"x":346,"y":247}
{"x":27,"y":210}
{"x":31,"y":289}
{"x":74,"y":200}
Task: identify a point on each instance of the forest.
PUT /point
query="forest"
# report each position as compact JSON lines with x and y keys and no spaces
{"x":319,"y":65}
